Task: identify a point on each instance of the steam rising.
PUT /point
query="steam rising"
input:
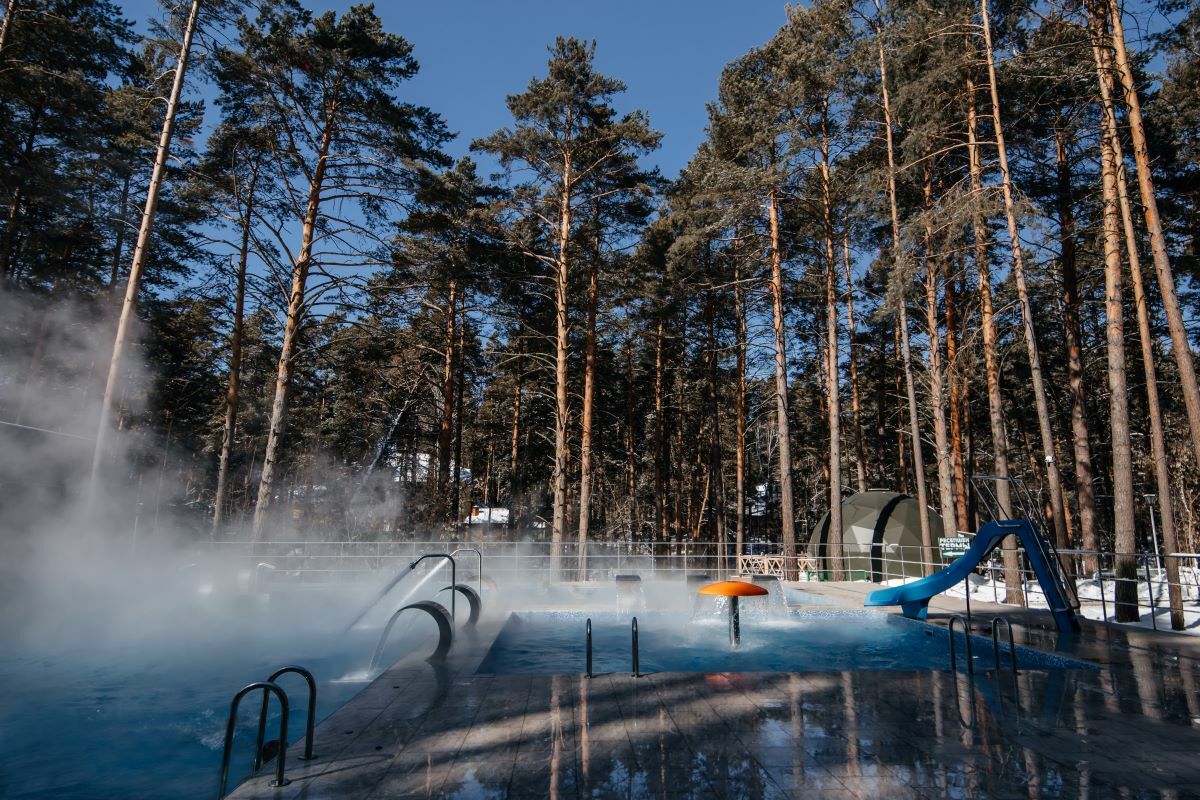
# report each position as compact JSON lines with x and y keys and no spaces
{"x":118,"y":567}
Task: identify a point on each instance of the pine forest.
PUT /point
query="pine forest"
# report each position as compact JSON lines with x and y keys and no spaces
{"x":923,"y":243}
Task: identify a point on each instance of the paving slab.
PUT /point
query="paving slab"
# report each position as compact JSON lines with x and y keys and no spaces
{"x":1129,"y":729}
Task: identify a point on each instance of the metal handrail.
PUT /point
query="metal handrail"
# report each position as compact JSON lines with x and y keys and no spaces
{"x":953,"y":653}
{"x":435,"y":610}
{"x":401,"y":576}
{"x":637,"y":673}
{"x":589,"y":647}
{"x":258,"y":570}
{"x":321,"y":562}
{"x":453,"y":572}
{"x":1012,"y":647}
{"x":309,"y":724}
{"x":479,"y":555}
{"x":266,"y":686}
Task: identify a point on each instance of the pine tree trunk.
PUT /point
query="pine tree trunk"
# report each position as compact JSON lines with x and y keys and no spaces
{"x":902,"y":327}
{"x":860,"y":450}
{"x":787,"y":521}
{"x":716,"y":484}
{"x":291,"y":336}
{"x":1162,"y":476}
{"x":660,"y":441}
{"x":1180,"y":345}
{"x":739,"y":313}
{"x":585,"y":420}
{"x":991,"y":359}
{"x":822,"y":384}
{"x":832,"y":389}
{"x":937,"y":375}
{"x":235,"y":358}
{"x":1122,"y":456}
{"x":446,"y":424}
{"x":119,"y":244}
{"x":635,"y":522}
{"x":901,"y":410}
{"x":1042,"y":405}
{"x":562,"y":408}
{"x":678,"y":524}
{"x":958,"y":388}
{"x":1158,"y":444}
{"x":514,"y":462}
{"x":141,"y":251}
{"x":460,"y":383}
{"x":6,"y":25}
{"x":1084,"y":475}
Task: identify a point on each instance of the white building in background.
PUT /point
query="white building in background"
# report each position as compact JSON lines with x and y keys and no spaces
{"x":421,"y":469}
{"x":487,"y":516}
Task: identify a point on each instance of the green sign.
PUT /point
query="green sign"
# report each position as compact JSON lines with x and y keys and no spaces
{"x":954,"y":546}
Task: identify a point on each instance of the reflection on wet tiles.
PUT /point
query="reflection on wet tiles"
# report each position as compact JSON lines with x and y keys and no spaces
{"x":1128,"y":730}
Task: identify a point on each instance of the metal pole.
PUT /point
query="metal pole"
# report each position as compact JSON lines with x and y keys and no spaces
{"x":967,"y":594}
{"x":735,"y":622}
{"x":1103,"y":601}
{"x":229,"y":728}
{"x":1150,"y":591}
{"x":312,"y":706}
{"x":589,"y":647}
{"x":1150,"y":498}
{"x":637,"y":673}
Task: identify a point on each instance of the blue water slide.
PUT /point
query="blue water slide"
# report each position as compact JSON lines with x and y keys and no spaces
{"x":913,"y":598}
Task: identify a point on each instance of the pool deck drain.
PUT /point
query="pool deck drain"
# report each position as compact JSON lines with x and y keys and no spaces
{"x":1131,"y":729}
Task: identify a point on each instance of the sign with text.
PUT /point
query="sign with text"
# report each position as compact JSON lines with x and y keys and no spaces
{"x":954,"y":546}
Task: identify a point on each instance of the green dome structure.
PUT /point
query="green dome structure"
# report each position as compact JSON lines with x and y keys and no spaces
{"x":881,"y":533}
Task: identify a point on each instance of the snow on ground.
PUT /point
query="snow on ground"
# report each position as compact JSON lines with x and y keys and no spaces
{"x":1094,"y":605}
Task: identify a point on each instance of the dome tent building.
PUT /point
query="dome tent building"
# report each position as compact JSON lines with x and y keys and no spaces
{"x":881,"y":533}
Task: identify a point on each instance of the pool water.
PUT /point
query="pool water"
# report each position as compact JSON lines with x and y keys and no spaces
{"x":796,"y":641}
{"x":144,"y":716}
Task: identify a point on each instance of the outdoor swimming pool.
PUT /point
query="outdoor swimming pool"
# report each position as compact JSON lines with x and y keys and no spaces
{"x":801,"y":641}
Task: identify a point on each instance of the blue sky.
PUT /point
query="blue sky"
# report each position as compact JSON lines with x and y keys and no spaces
{"x":473,"y":54}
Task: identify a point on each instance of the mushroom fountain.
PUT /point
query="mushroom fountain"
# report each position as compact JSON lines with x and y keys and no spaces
{"x":734,"y":590}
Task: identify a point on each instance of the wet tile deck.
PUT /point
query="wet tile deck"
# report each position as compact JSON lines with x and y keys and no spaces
{"x":1130,"y":729}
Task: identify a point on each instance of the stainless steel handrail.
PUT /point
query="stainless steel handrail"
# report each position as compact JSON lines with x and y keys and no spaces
{"x":1012,"y":647}
{"x":479,"y":555}
{"x":453,"y":572}
{"x":266,"y":686}
{"x":967,"y":636}
{"x":435,"y":610}
{"x":310,"y":722}
{"x":401,"y":576}
{"x":258,"y":570}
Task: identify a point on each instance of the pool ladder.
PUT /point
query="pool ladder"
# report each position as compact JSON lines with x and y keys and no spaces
{"x":269,"y":687}
{"x":997,"y":623}
{"x":637,"y":671}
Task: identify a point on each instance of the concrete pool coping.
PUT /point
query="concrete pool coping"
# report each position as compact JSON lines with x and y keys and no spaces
{"x":421,"y":731}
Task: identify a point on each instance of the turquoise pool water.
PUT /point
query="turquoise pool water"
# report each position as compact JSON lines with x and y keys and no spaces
{"x":144,"y":716}
{"x":796,"y":641}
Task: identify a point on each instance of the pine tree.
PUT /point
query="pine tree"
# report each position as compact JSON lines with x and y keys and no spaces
{"x":572,"y":146}
{"x":323,"y":89}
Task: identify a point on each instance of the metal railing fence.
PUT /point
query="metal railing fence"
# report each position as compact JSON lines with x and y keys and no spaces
{"x":315,"y":561}
{"x":1095,"y":573}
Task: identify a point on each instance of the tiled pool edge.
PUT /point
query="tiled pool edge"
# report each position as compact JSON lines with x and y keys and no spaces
{"x":417,"y":733}
{"x":412,"y":680}
{"x":854,"y":735}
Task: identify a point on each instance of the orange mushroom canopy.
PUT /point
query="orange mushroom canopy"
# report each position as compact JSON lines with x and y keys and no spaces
{"x":733,"y":589}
